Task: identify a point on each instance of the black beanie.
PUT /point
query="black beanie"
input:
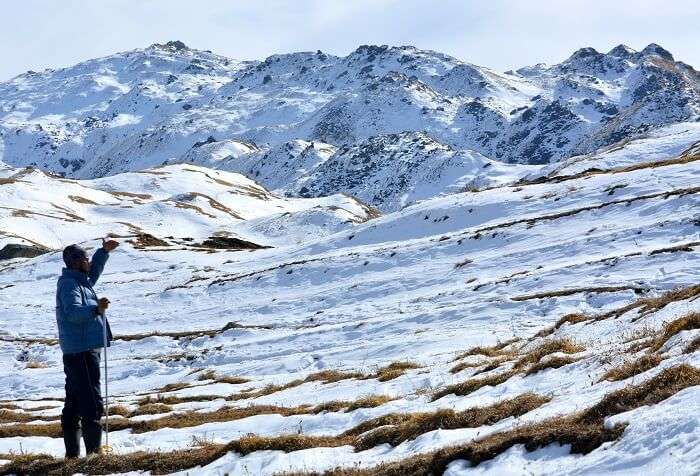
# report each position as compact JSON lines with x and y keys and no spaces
{"x":72,"y":255}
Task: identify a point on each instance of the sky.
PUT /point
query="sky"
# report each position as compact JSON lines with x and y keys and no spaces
{"x":501,"y":34}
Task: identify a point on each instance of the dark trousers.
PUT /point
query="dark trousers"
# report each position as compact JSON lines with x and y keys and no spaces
{"x":83,"y":406}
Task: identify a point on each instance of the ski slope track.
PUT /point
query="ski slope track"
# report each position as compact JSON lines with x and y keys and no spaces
{"x":316,"y":277}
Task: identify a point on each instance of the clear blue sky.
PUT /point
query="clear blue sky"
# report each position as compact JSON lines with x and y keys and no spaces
{"x":501,"y":34}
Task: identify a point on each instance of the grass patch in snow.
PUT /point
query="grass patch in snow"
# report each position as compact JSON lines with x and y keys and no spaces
{"x":572,"y":291}
{"x":571,"y":319}
{"x":632,"y":368}
{"x":694,"y":346}
{"x":583,"y":431}
{"x":551,"y":363}
{"x":473,"y":384}
{"x":685,"y":323}
{"x":551,"y":346}
{"x":397,"y":428}
{"x":492,"y":351}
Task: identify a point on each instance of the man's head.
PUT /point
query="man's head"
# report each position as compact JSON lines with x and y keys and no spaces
{"x":76,"y":258}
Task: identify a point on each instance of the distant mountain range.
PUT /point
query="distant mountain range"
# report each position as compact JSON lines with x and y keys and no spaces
{"x":390,"y":125}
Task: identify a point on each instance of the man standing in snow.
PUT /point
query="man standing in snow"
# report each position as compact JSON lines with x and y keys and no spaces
{"x":80,"y":317}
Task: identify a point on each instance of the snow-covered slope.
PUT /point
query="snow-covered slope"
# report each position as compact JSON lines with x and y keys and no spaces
{"x":548,"y":326}
{"x":189,"y":201}
{"x":292,"y":120}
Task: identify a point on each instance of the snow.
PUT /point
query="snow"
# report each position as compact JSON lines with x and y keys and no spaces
{"x":461,"y":245}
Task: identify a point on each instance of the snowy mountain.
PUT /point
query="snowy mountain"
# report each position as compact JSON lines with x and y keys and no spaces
{"x":391,"y":263}
{"x":170,"y":103}
{"x":547,"y":326}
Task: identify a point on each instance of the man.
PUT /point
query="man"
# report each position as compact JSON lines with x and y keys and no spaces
{"x":81,"y":316}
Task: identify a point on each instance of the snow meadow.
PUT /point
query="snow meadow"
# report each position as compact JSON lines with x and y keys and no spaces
{"x":391,"y":263}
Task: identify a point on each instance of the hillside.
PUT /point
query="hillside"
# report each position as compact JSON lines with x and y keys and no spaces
{"x":543,"y":321}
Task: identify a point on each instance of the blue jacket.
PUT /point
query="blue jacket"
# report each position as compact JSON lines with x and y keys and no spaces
{"x":79,"y":327}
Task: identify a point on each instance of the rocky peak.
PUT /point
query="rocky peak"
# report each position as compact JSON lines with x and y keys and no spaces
{"x":622,"y":51}
{"x":654,"y":49}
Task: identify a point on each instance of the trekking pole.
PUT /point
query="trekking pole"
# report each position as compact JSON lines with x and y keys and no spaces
{"x":105,"y":448}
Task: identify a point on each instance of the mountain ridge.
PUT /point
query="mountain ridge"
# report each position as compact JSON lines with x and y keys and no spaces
{"x":161,"y":104}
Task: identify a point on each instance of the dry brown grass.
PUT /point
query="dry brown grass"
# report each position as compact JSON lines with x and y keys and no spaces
{"x":566,"y":346}
{"x":119,"y":410}
{"x":649,"y":305}
{"x":35,"y":364}
{"x":684,"y":323}
{"x":183,"y":419}
{"x":632,"y":368}
{"x":151,"y":409}
{"x":584,"y":432}
{"x":392,"y":371}
{"x":397,"y":428}
{"x":370,"y":401}
{"x":212,"y":375}
{"x":83,"y":200}
{"x":329,"y":376}
{"x":572,"y":291}
{"x":492,"y":351}
{"x":144,"y":240}
{"x":171,"y":387}
{"x":466,"y":365}
{"x":571,"y":319}
{"x":473,"y":384}
{"x":688,"y":156}
{"x":550,"y":363}
{"x":12,"y":416}
{"x":694,"y":346}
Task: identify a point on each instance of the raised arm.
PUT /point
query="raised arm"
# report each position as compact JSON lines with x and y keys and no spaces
{"x":99,"y":259}
{"x":97,"y":264}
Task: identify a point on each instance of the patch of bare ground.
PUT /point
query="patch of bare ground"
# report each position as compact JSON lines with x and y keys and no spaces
{"x":632,"y":368}
{"x":212,"y":375}
{"x":83,"y":200}
{"x":8,"y":415}
{"x":466,"y":365}
{"x":572,"y":291}
{"x":485,"y":365}
{"x":212,"y":203}
{"x":140,"y":196}
{"x":229,"y":243}
{"x":145,"y":240}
